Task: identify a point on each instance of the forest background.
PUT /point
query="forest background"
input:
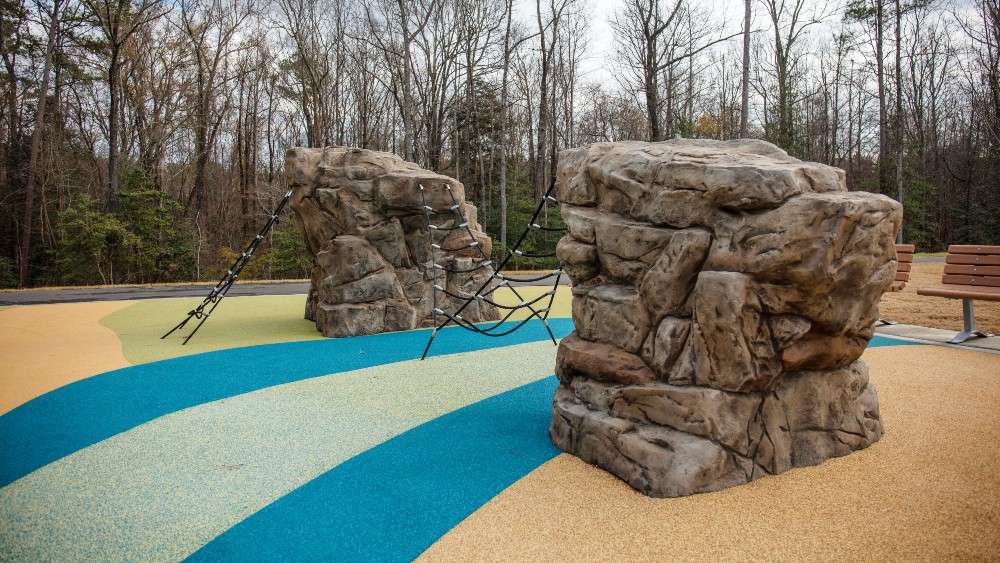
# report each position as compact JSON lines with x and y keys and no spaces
{"x":142,"y":140}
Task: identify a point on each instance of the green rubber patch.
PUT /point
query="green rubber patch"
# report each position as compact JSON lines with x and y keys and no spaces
{"x":238,"y":321}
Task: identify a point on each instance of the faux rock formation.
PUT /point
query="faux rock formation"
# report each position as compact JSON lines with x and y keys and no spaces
{"x":364,"y":224}
{"x":723,"y":293}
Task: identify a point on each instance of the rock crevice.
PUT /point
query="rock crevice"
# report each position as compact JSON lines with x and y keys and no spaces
{"x":723,"y":293}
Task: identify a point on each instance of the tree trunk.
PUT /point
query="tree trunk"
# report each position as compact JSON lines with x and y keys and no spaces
{"x":503,"y":129}
{"x":114,"y":70}
{"x":36,"y":148}
{"x":898,"y":141}
{"x":745,"y":95}
{"x":883,"y":145}
{"x":543,"y":109}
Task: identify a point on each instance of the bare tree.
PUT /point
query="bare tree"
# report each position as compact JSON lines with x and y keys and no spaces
{"x":316,"y":31}
{"x":117,"y":21}
{"x":548,"y":30}
{"x":648,"y":35}
{"x":393,"y":29}
{"x":211,"y":27}
{"x":745,"y":89}
{"x":789,"y":23}
{"x":36,"y":144}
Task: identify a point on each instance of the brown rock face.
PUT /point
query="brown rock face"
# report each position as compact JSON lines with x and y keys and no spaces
{"x":723,"y":293}
{"x":364,"y":224}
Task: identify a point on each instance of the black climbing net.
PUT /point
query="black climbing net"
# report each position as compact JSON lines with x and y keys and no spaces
{"x":454,"y":220}
{"x":496,"y":279}
{"x":218,"y":293}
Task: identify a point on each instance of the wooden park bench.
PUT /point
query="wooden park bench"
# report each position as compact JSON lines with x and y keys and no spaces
{"x":971,"y":272}
{"x":904,"y":262}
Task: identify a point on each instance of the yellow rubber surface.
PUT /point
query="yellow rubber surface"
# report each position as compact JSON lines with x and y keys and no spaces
{"x":929,"y":490}
{"x":43,"y":347}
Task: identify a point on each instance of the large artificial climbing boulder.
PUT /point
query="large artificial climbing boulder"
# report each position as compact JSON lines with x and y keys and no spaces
{"x":362,"y":213}
{"x":723,"y":294}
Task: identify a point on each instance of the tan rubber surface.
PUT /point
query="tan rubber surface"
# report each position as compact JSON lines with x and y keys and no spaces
{"x":43,"y":347}
{"x":929,"y":490}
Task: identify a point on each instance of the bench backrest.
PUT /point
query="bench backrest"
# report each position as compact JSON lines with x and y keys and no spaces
{"x":904,"y":261}
{"x":968,"y":264}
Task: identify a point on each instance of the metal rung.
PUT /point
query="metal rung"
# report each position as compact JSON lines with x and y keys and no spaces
{"x":518,"y":253}
{"x":438,"y":287}
{"x":435,"y":245}
{"x":433,"y":227}
{"x":438,"y":311}
{"x":552,"y":199}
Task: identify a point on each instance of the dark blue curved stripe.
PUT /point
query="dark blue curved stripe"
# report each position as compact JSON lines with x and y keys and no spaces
{"x":90,"y":410}
{"x":393,"y":501}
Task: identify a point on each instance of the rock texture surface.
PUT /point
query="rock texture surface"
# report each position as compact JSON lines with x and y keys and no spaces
{"x":362,"y":215}
{"x":723,"y":293}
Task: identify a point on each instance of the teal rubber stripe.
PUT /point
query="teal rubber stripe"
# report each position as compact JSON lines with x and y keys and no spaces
{"x":879,"y":341}
{"x":393,"y":501}
{"x":206,"y":468}
{"x":73,"y":417}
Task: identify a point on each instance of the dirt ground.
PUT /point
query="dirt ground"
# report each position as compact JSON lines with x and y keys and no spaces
{"x":936,"y":312}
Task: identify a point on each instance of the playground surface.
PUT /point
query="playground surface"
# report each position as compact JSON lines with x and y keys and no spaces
{"x":260,"y":439}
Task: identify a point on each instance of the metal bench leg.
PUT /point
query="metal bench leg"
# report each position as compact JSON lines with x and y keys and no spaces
{"x":968,"y":324}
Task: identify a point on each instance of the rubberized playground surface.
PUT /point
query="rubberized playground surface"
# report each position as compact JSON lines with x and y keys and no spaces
{"x":262,"y":440}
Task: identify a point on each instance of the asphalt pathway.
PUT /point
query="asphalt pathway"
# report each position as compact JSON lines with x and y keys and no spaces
{"x":129,"y":292}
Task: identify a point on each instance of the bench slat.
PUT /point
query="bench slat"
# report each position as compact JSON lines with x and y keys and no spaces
{"x":958,"y":279}
{"x":973,"y":259}
{"x":904,"y":257}
{"x":905,"y":267}
{"x":910,"y":248}
{"x":973,"y":249}
{"x":963,"y":292}
{"x":902,"y":276}
{"x":971,"y":269}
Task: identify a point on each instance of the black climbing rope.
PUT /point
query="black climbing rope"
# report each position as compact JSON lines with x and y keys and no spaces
{"x":496,"y":279}
{"x":218,"y":293}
